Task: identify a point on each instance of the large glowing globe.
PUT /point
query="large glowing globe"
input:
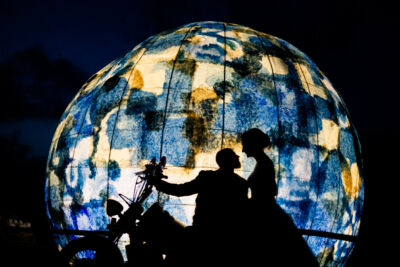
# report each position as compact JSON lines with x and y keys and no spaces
{"x":186,"y":94}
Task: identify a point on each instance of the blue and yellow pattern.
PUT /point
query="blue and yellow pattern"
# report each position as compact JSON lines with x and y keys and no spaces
{"x":187,"y":93}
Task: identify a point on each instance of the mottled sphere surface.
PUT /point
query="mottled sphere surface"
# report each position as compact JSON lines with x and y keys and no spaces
{"x":187,"y":93}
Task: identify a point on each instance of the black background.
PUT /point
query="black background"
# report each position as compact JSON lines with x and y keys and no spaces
{"x":49,"y":48}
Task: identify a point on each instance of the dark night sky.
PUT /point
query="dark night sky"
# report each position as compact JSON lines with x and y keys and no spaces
{"x":352,"y":42}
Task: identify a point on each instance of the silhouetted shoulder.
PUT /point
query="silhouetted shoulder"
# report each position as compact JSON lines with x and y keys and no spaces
{"x":204,"y":176}
{"x":206,"y":173}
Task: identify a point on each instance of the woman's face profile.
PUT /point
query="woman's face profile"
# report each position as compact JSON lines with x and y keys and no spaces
{"x":248,"y":148}
{"x":254,"y":141}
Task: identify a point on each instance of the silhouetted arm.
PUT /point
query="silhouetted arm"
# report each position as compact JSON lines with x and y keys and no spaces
{"x":179,"y":190}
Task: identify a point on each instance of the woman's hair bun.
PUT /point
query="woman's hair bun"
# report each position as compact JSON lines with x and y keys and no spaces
{"x":257,"y":137}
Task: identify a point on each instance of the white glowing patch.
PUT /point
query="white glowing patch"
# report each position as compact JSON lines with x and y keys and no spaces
{"x":301,"y":160}
{"x":228,"y":98}
{"x":288,"y":98}
{"x":83,"y":149}
{"x":67,"y":200}
{"x":181,"y":175}
{"x":83,"y":221}
{"x":189,"y":211}
{"x":101,"y":156}
{"x":122,"y":243}
{"x":207,"y":74}
{"x":331,"y":196}
{"x":126,"y":184}
{"x":93,"y":187}
{"x":71,"y":175}
{"x":66,"y":208}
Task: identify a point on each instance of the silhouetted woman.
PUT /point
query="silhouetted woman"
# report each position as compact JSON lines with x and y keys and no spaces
{"x":274,"y":237}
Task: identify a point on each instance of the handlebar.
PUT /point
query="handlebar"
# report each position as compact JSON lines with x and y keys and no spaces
{"x":153,"y":171}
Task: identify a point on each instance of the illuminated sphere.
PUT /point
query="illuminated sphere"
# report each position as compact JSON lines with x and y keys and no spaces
{"x":187,"y":93}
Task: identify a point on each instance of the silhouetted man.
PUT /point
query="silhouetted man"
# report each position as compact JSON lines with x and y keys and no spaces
{"x":220,"y":210}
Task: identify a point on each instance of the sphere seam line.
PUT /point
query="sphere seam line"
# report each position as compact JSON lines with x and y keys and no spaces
{"x":116,"y":120}
{"x":168,"y":90}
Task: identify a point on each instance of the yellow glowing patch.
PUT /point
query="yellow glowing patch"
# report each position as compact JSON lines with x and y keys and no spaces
{"x":351,"y":180}
{"x":307,"y":82}
{"x":328,"y":137}
{"x":232,"y":141}
{"x":233,"y":53}
{"x":166,"y":55}
{"x":127,"y":74}
{"x":303,"y":73}
{"x":153,"y":77}
{"x":278,"y":65}
{"x":242,"y":36}
{"x":59,"y":129}
{"x":317,"y":90}
{"x":122,"y":156}
{"x":195,"y":39}
{"x":231,"y":34}
{"x":137,"y":80}
{"x":202,"y":40}
{"x":53,"y":179}
{"x":56,"y":160}
{"x":206,"y":159}
{"x":199,"y":94}
{"x":356,"y":179}
{"x":182,"y":30}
